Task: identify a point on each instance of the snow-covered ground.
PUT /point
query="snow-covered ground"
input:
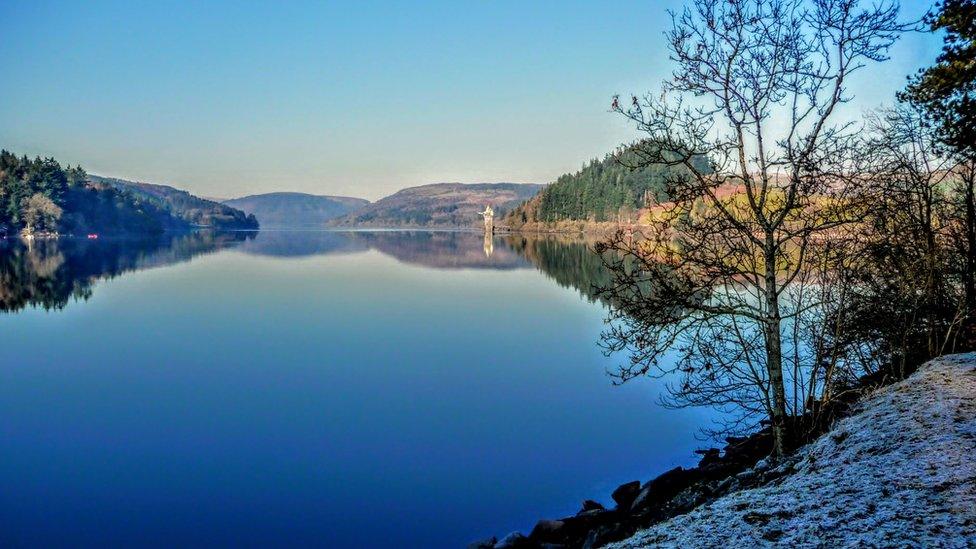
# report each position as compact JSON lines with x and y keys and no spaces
{"x":901,"y":472}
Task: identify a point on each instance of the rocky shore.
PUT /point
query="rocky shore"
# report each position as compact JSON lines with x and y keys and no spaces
{"x":900,"y":470}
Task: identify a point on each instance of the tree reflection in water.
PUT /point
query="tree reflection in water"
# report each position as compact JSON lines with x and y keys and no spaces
{"x":50,"y":273}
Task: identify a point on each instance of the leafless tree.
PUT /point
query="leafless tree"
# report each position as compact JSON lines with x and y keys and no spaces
{"x":905,"y":298}
{"x":40,"y":214}
{"x":756,"y":88}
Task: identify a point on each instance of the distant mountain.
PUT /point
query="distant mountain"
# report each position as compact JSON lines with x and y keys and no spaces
{"x":194,"y":210}
{"x":441,"y":205}
{"x":295,"y":210}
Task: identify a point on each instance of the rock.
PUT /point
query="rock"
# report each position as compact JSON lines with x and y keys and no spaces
{"x":593,"y":514}
{"x":688,"y":499}
{"x":515,"y":540}
{"x":599,"y":537}
{"x":590,"y":505}
{"x":746,"y":477}
{"x":744,"y":452}
{"x":781,"y":470}
{"x":594,"y":539}
{"x":644,"y":498}
{"x":658,"y":491}
{"x":487,"y":543}
{"x":625,"y":494}
{"x":548,"y":530}
{"x":709,"y":457}
{"x":726,"y":485}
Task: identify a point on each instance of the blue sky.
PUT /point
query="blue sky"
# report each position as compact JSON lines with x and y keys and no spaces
{"x":353,"y":98}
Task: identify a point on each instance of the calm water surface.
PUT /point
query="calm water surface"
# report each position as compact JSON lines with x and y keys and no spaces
{"x":364,"y":389}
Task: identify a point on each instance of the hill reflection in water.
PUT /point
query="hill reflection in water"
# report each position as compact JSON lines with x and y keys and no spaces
{"x":49,"y":274}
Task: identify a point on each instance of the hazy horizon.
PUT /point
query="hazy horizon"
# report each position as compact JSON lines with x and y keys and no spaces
{"x":349,"y":99}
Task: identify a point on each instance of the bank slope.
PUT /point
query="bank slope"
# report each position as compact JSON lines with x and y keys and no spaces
{"x":899,"y":472}
{"x":295,"y":210}
{"x":195,"y":211}
{"x":440,"y":205}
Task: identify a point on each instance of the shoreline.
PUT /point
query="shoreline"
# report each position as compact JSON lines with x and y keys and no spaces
{"x":677,"y":508}
{"x":899,"y":471}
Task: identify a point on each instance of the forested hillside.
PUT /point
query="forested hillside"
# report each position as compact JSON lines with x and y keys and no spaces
{"x":295,"y":210}
{"x":440,"y":205}
{"x":603,"y":190}
{"x":39,"y":196}
{"x":196,"y":211}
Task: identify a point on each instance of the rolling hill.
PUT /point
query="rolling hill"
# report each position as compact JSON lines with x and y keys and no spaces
{"x":295,"y":210}
{"x":195,"y":211}
{"x":439,"y":205}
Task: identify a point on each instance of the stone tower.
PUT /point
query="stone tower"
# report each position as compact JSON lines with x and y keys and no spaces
{"x":489,"y":215}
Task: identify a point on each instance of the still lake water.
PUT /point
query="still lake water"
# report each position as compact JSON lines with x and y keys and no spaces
{"x":359,"y":389}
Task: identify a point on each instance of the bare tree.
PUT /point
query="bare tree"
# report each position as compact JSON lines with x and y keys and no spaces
{"x":40,"y":214}
{"x":905,"y":298}
{"x":912,"y":184}
{"x":965,"y":200}
{"x":756,"y":86}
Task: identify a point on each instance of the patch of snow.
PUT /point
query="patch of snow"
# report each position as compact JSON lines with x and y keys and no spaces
{"x":899,"y":472}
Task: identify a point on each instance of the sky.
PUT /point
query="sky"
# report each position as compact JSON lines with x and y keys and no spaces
{"x":360,"y":98}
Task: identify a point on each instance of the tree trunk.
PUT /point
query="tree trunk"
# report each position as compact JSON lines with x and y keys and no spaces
{"x":774,"y":350}
{"x":969,"y":277}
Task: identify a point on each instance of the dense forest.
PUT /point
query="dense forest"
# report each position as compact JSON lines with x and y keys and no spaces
{"x":40,"y":196}
{"x":603,"y":190}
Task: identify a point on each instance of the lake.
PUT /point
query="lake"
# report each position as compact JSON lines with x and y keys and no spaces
{"x":343,"y":389}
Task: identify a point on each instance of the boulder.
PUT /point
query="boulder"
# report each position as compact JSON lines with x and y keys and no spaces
{"x":688,"y":499}
{"x":548,"y":530}
{"x":709,"y":457}
{"x":598,"y":537}
{"x":575,"y":529}
{"x":658,"y":491}
{"x":625,"y":494}
{"x":645,"y":498}
{"x":591,"y":515}
{"x":487,"y":543}
{"x":590,"y":505}
{"x":515,"y":540}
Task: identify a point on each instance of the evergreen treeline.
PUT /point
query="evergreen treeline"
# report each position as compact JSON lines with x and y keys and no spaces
{"x":600,"y":191}
{"x":41,"y":196}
